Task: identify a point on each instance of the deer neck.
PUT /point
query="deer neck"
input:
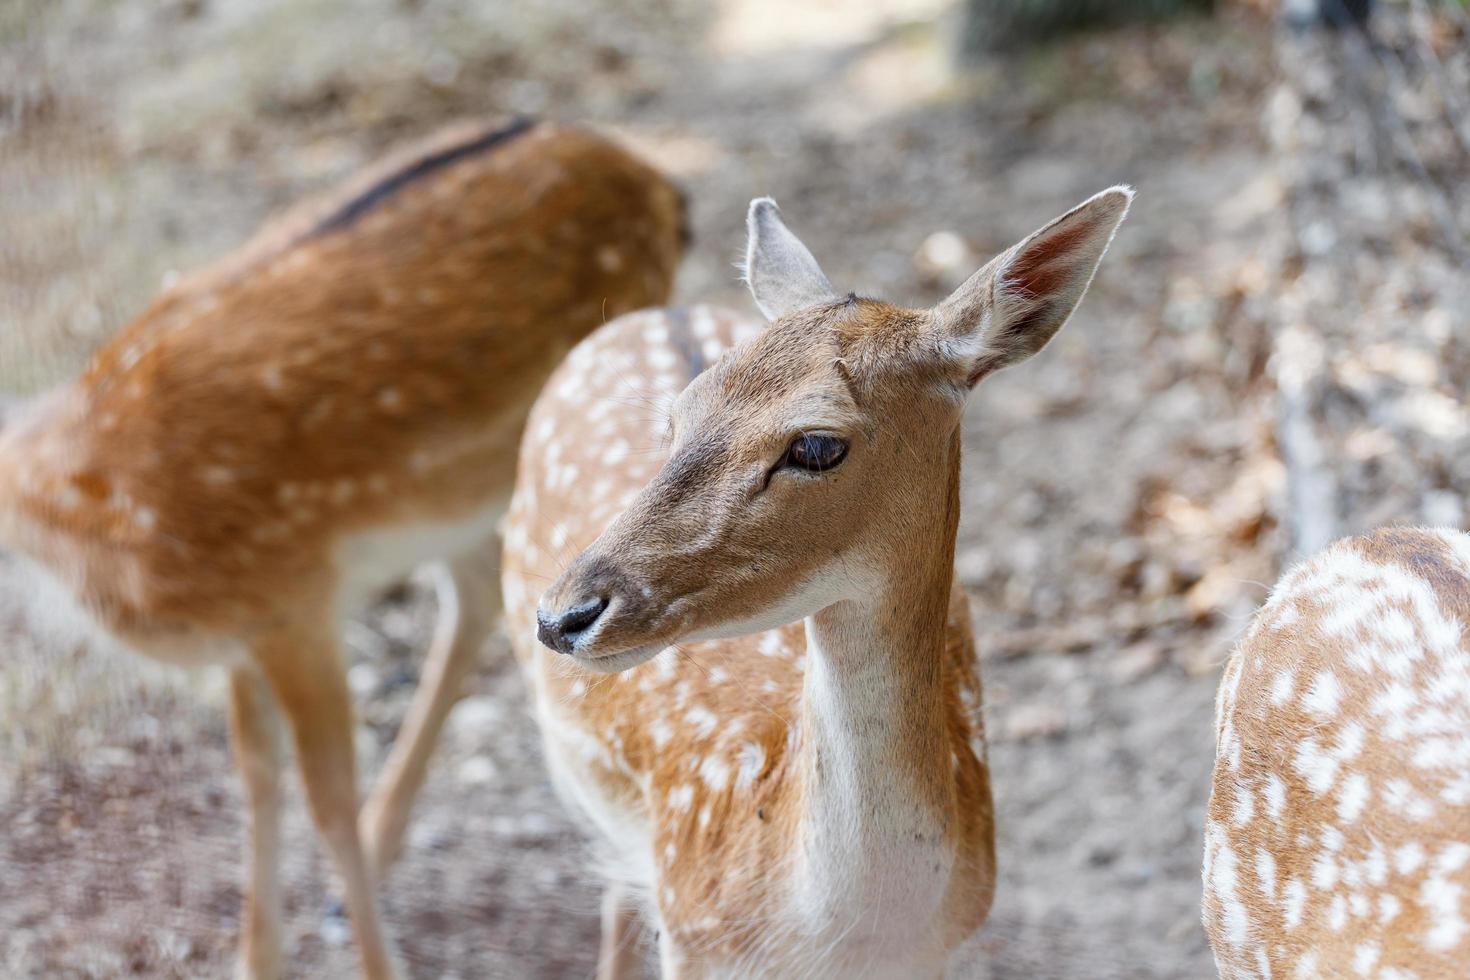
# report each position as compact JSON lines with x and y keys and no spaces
{"x":875,"y":838}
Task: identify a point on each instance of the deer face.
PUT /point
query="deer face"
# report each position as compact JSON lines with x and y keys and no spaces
{"x":803,"y":458}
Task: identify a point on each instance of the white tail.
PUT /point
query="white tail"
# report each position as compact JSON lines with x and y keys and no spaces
{"x":1338,"y":836}
{"x":791,"y":767}
{"x":280,"y":435}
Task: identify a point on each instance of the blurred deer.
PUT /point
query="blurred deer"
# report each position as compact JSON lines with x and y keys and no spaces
{"x":278,"y":437}
{"x":795,"y":776}
{"x":1337,"y":842}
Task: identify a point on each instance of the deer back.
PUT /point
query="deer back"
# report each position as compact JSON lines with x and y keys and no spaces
{"x":366,"y":362}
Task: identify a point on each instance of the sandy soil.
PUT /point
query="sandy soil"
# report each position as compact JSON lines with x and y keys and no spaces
{"x":1120,"y":496}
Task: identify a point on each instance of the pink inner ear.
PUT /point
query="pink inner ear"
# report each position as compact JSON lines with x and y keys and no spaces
{"x":1046,"y":265}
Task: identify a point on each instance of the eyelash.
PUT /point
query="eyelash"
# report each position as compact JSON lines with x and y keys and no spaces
{"x":788,"y":462}
{"x":835,"y":452}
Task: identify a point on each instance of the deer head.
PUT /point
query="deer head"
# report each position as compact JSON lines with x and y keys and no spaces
{"x":808,"y":460}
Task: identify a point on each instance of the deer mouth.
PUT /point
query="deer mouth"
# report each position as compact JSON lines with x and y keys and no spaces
{"x":613,"y":663}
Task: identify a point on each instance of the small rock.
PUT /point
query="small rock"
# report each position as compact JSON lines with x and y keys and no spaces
{"x":1028,"y":721}
{"x":362,"y":679}
{"x":477,"y":770}
{"x":943,"y":259}
{"x":475,"y":719}
{"x":335,"y":930}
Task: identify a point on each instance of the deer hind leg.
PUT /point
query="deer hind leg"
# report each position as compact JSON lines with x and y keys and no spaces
{"x":305,"y":670}
{"x":618,"y":957}
{"x":468,"y":590}
{"x":255,"y":732}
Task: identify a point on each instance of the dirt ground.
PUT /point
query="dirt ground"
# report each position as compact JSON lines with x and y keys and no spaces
{"x":1122,"y":493}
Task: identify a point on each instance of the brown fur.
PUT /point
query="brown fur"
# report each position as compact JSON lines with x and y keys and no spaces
{"x":814,"y":799}
{"x":363,"y":366}
{"x":718,"y":855}
{"x":1337,"y":840}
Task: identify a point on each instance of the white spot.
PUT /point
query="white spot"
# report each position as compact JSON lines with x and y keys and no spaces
{"x":1324,"y":872}
{"x":1352,"y":797}
{"x":715,"y":772}
{"x":1365,"y":957}
{"x":616,"y":452}
{"x":1408,"y":857}
{"x":1245,"y":808}
{"x":1323,"y":696}
{"x":1375,"y":867}
{"x":660,"y":732}
{"x":1293,"y":902}
{"x":1266,"y":872}
{"x":1235,"y":920}
{"x":1441,"y":899}
{"x":771,"y":645}
{"x":681,"y":797}
{"x":752,"y":760}
{"x":1398,"y":794}
{"x":1275,"y":796}
{"x":1337,"y":913}
{"x":1281,"y":687}
{"x":702,"y":719}
{"x":1452,"y":858}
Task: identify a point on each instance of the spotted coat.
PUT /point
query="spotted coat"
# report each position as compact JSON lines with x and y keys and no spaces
{"x":1337,"y":842}
{"x":685,"y":766}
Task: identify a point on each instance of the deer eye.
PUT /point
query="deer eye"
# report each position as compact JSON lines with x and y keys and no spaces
{"x":816,"y":453}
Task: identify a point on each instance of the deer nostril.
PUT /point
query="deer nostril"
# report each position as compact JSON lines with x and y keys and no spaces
{"x":560,"y":630}
{"x":578,"y":618}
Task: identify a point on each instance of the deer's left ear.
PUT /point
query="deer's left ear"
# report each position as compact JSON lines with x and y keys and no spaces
{"x":783,"y":275}
{"x":1010,"y":309}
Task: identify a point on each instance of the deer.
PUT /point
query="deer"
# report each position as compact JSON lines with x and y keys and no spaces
{"x":755,"y":680}
{"x":1337,"y":836}
{"x":282,"y":435}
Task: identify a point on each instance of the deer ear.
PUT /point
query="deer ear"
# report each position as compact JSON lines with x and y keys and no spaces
{"x":1010,"y":309}
{"x":783,"y":275}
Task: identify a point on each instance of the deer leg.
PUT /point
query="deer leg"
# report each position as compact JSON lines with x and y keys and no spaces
{"x":618,"y":957}
{"x":468,"y":590}
{"x":305,"y":670}
{"x":255,"y":733}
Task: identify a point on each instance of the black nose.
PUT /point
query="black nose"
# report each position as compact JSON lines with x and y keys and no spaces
{"x":560,"y":630}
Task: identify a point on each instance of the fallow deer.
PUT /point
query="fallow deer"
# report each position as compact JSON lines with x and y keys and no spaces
{"x":276,"y":438}
{"x":790,"y":766}
{"x":1337,"y":841}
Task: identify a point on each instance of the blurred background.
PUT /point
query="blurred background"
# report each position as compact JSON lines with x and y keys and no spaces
{"x":1275,"y":353}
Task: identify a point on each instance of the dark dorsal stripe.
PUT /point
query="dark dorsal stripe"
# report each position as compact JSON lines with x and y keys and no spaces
{"x":681,"y":335}
{"x":391,"y":184}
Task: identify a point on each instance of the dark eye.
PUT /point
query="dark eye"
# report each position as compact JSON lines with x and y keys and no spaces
{"x":816,"y":454}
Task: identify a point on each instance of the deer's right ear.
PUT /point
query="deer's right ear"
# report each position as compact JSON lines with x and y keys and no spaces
{"x":783,"y":275}
{"x":1010,"y":309}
